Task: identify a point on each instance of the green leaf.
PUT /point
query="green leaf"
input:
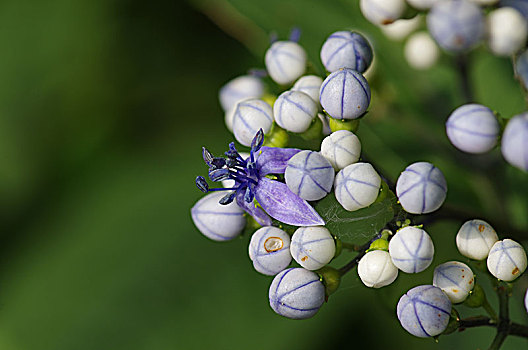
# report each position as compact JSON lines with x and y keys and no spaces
{"x":360,"y":224}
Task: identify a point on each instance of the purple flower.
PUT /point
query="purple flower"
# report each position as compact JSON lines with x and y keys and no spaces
{"x":251,"y":183}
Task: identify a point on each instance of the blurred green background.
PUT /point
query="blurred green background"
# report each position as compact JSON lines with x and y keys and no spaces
{"x":104,"y":107}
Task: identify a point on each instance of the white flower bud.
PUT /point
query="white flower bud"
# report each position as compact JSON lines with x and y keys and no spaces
{"x":309,"y":175}
{"x":507,"y":31}
{"x":312,"y":247}
{"x":357,"y":186}
{"x":421,"y":51}
{"x":421,"y":188}
{"x":485,"y":2}
{"x":346,"y":49}
{"x":294,"y":111}
{"x":473,"y":128}
{"x":376,"y":269}
{"x":514,"y":147}
{"x":216,"y":221}
{"x":250,"y":116}
{"x":507,"y":260}
{"x":382,"y":11}
{"x":411,"y":249}
{"x":456,"y":280}
{"x":269,"y":249}
{"x":285,"y":61}
{"x":238,"y":89}
{"x":475,"y":239}
{"x":341,"y":148}
{"x":310,"y":85}
{"x":296,"y":293}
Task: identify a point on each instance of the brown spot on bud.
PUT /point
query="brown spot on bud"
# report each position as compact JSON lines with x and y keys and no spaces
{"x":387,"y":21}
{"x":304,"y":258}
{"x":273,"y":244}
{"x":455,"y":290}
{"x":481,"y":227}
{"x":515,"y":271}
{"x":470,"y":281}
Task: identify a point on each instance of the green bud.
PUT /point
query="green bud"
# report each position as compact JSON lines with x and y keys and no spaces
{"x":454,"y":322}
{"x":342,"y":124}
{"x":339,"y":247}
{"x":379,"y":244}
{"x":277,"y":137}
{"x":315,"y":131}
{"x":331,"y":279}
{"x":476,"y":297}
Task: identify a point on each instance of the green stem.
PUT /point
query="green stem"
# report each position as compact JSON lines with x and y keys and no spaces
{"x":503,"y":327}
{"x":515,"y":329}
{"x":362,"y":251}
{"x":486,"y":305}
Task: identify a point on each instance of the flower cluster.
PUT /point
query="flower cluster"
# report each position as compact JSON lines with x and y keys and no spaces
{"x":275,"y":190}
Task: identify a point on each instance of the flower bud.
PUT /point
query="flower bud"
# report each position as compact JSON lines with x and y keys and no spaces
{"x":424,"y":311}
{"x":376,"y":269}
{"x":341,"y":148}
{"x":381,"y":12}
{"x":310,"y":85}
{"x":411,"y":249}
{"x":269,"y":249}
{"x":331,"y":279}
{"x":475,"y":239}
{"x":312,"y":247}
{"x":294,"y":111}
{"x":250,"y":116}
{"x":507,"y":31}
{"x":285,"y":61}
{"x":421,"y":51}
{"x":309,"y":175}
{"x":476,"y":297}
{"x":215,"y":221}
{"x":513,"y":145}
{"x":296,"y":293}
{"x":357,"y":186}
{"x":346,"y":49}
{"x":421,"y":188}
{"x":456,"y":280}
{"x":238,"y":89}
{"x":507,"y":260}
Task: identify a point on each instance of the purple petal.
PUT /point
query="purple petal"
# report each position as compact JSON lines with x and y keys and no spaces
{"x":273,"y":160}
{"x":284,"y":205}
{"x":257,"y":213}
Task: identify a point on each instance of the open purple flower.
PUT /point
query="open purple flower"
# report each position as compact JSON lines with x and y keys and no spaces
{"x":251,"y":183}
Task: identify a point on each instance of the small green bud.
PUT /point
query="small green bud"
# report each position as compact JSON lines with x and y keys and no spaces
{"x":315,"y":130}
{"x":339,"y":247}
{"x":277,"y":137}
{"x":454,"y":322}
{"x":379,"y":244}
{"x":331,"y":279}
{"x":342,"y":124}
{"x":476,"y":297}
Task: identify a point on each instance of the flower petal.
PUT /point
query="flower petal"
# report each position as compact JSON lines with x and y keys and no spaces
{"x":257,"y":213}
{"x":273,"y":160}
{"x":284,"y":205}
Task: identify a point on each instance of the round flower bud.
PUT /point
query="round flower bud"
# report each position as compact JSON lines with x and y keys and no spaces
{"x":411,"y":249}
{"x":296,"y":293}
{"x":269,"y":249}
{"x":475,"y":239}
{"x":312,"y":247}
{"x":513,"y":145}
{"x":341,"y":148}
{"x":294,"y":111}
{"x":229,"y":116}
{"x":421,"y":4}
{"x":526,"y":300}
{"x":250,"y":116}
{"x":456,"y":280}
{"x":357,"y":186}
{"x":485,"y":2}
{"x":326,"y":123}
{"x":506,"y":260}
{"x":401,"y":28}
{"x":238,"y":89}
{"x":507,"y":31}
{"x":456,"y":25}
{"x":310,"y":85}
{"x":382,"y":11}
{"x":285,"y":61}
{"x":376,"y":269}
{"x":421,"y":188}
{"x":345,"y":94}
{"x":424,"y":311}
{"x":309,"y":175}
{"x":346,"y":49}
{"x":473,"y":128}
{"x":216,"y":221}
{"x":421,"y":51}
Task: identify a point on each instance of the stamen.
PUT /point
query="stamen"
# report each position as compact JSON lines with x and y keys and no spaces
{"x":228,"y":198}
{"x":202,"y":184}
{"x":295,"y":34}
{"x":207,"y":156}
{"x":219,"y":174}
{"x":248,"y":196}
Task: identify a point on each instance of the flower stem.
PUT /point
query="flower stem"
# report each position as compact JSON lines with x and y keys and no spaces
{"x":362,"y":251}
{"x":462,"y":65}
{"x":486,"y":305}
{"x":503,"y":327}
